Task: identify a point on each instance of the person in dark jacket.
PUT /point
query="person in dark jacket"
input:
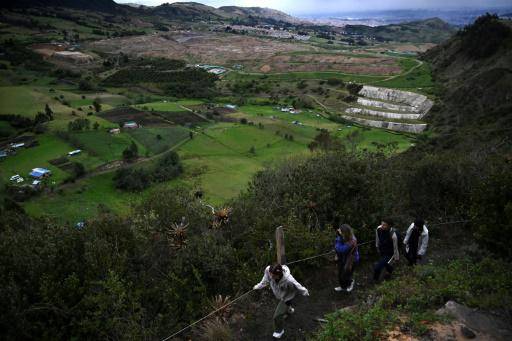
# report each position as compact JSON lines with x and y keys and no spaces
{"x":347,"y":256}
{"x":386,"y":241}
{"x":416,"y":241}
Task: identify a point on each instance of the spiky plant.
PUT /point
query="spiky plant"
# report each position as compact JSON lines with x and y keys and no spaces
{"x":177,"y":235}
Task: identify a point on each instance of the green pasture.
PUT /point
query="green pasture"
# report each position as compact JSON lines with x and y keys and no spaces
{"x":159,"y":139}
{"x":297,"y":76}
{"x":50,"y":147}
{"x":168,"y":106}
{"x":80,"y":201}
{"x":105,"y":146}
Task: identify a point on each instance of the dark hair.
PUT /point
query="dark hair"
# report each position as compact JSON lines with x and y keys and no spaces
{"x":419,"y":222}
{"x":347,"y":232}
{"x":276,"y":269}
{"x":388,"y":221}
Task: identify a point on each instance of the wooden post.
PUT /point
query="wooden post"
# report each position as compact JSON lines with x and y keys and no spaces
{"x":281,"y":257}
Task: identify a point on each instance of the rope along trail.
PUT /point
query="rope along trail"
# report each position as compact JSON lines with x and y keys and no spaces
{"x":288,"y":263}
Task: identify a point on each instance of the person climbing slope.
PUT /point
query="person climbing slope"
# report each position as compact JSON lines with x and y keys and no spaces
{"x":347,"y":256}
{"x":416,"y":241}
{"x":386,"y":241}
{"x":284,"y":287}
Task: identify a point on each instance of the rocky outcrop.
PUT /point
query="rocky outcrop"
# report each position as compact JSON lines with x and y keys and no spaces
{"x":383,"y":114}
{"x":419,"y":102}
{"x":474,"y":322}
{"x":415,"y":128}
{"x":383,"y":105}
{"x":400,"y":110}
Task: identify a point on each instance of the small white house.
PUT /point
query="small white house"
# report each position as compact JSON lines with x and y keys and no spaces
{"x":74,"y":152}
{"x":17,"y":145}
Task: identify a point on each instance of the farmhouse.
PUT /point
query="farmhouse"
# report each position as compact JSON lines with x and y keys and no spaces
{"x":130,"y":125}
{"x":3,"y":154}
{"x":74,"y":152}
{"x":230,"y":106}
{"x":17,"y":145}
{"x":40,"y":173}
{"x":115,"y":131}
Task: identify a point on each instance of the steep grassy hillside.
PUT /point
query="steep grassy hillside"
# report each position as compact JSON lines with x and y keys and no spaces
{"x":475,"y":70}
{"x":431,"y":30}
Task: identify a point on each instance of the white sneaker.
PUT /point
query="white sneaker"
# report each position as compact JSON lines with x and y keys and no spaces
{"x":351,"y":287}
{"x":278,"y":335}
{"x":291,"y":310}
{"x":338,"y":289}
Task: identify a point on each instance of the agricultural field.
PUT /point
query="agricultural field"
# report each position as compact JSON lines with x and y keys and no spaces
{"x":220,"y":148}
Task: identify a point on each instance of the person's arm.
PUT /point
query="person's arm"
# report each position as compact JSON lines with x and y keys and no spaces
{"x":396,"y":255}
{"x":299,"y":286}
{"x":377,"y":239}
{"x":264,"y":281}
{"x":342,"y":247}
{"x":408,"y":234}
{"x":424,"y":242}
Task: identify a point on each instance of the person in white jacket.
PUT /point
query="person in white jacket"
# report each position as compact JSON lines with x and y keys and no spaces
{"x":284,"y":287}
{"x":416,"y":241}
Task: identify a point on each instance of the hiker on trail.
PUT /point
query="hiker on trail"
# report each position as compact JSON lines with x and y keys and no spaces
{"x":284,"y":287}
{"x":386,"y":241}
{"x":347,"y":256}
{"x":416,"y":241}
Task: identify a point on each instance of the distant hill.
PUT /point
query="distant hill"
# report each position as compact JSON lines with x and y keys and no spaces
{"x":92,"y":5}
{"x":475,"y":69}
{"x":258,"y":12}
{"x":432,"y":30}
{"x":197,"y":11}
{"x":187,"y":11}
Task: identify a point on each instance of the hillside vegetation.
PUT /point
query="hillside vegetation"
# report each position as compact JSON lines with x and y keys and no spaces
{"x":147,"y":264}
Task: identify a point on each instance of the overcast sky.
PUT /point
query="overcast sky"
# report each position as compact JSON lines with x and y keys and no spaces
{"x":323,"y":6}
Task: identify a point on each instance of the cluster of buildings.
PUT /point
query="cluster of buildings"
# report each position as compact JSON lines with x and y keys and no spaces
{"x":37,"y":175}
{"x":215,"y":69}
{"x":270,"y":31}
{"x":290,"y":110}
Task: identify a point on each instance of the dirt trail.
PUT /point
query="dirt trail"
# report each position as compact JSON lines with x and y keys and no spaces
{"x":259,"y":307}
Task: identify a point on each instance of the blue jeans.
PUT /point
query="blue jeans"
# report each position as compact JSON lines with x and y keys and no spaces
{"x":380,"y":265}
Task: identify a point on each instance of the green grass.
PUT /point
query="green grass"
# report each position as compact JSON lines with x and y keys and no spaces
{"x":170,"y":136}
{"x":296,"y":76}
{"x":81,"y":201}
{"x":168,"y":106}
{"x":418,"y":78}
{"x":105,"y":146}
{"x":414,"y":295}
{"x":50,"y":147}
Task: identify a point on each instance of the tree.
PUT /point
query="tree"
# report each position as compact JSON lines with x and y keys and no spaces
{"x":191,"y":134}
{"x":131,"y":152}
{"x":78,"y":170}
{"x":252,"y":150}
{"x":48,"y":112}
{"x":96,"y":125}
{"x":85,"y":85}
{"x":324,"y":141}
{"x":97,"y":105}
